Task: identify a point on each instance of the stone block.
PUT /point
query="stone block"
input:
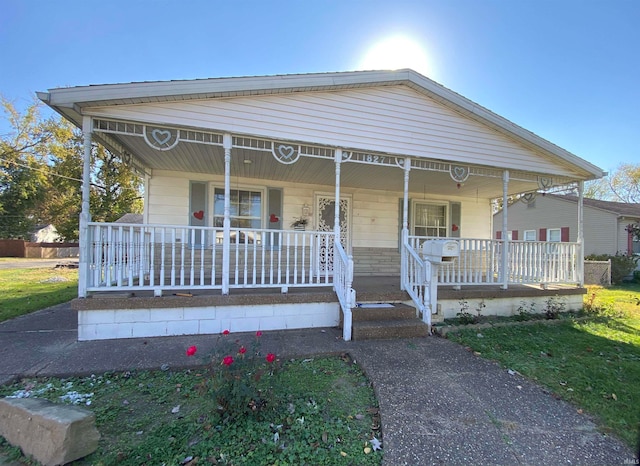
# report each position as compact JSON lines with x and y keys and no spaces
{"x":51,"y":433}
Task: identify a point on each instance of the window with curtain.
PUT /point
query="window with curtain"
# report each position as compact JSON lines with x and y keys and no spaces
{"x":245,"y":211}
{"x":430,"y":219}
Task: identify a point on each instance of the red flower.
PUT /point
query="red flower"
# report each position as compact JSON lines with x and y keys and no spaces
{"x":191,"y":350}
{"x":242,"y":350}
{"x":228,"y":360}
{"x":270,"y":357}
{"x":259,"y":333}
{"x":226,"y":332}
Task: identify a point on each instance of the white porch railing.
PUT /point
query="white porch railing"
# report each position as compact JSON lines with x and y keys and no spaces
{"x":342,"y":284}
{"x":166,"y":257}
{"x":529,"y":262}
{"x":414,"y":281}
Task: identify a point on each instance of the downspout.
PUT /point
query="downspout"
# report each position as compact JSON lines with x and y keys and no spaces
{"x":85,"y":214}
{"x":405,"y":223}
{"x":505,"y":235}
{"x":580,"y":258}
{"x":227,"y":142}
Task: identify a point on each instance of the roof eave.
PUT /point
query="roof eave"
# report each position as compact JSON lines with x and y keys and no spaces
{"x":69,"y":101}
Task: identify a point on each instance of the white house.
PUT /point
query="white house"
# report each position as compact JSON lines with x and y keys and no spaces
{"x":375,"y":163}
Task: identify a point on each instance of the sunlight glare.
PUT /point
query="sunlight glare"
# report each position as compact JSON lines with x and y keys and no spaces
{"x":394,"y":53}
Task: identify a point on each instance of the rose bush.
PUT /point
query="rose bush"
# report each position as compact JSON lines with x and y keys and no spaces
{"x":238,"y":377}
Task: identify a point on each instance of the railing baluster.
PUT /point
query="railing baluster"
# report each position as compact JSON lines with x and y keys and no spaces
{"x":192,"y":265}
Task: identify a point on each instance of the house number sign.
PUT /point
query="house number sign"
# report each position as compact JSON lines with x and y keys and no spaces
{"x":372,"y":159}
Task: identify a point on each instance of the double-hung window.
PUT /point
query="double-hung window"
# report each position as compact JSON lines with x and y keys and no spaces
{"x":245,"y":211}
{"x":430,"y":219}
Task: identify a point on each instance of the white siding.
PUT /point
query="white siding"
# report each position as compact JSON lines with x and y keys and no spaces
{"x":394,"y":119}
{"x":600,"y":235}
{"x":375,"y":214}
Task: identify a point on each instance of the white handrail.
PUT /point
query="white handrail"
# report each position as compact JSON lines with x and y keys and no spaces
{"x":414,"y":281}
{"x":342,"y":284}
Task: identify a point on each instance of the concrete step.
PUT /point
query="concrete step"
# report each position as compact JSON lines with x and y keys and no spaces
{"x":389,"y":329}
{"x":398,"y":311}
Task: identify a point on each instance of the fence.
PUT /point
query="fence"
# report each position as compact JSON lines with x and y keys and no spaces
{"x":597,"y":272}
{"x":21,"y":248}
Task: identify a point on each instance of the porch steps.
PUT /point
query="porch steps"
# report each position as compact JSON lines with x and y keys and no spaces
{"x":394,"y":320}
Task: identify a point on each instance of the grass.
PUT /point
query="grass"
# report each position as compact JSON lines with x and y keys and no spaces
{"x":26,"y":290}
{"x":592,"y":363}
{"x":323,"y":412}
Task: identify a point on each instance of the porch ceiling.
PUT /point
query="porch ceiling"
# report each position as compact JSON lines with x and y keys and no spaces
{"x":247,"y":163}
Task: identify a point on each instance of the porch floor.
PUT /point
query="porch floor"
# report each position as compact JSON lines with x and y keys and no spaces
{"x":369,"y":289}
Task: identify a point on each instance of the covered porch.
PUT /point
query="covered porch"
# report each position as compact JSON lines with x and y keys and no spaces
{"x":310,"y":184}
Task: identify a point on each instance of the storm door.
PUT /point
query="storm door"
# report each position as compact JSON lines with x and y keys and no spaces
{"x":325,"y":220}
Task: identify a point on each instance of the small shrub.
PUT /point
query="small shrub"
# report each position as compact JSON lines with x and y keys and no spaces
{"x":464,"y":316}
{"x":622,"y":265}
{"x":553,"y":307}
{"x":525,"y":311}
{"x":236,"y":374}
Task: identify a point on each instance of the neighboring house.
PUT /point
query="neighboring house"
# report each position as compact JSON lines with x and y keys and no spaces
{"x":44,"y":234}
{"x":554,"y":218}
{"x":130,"y":218}
{"x":375,"y":164}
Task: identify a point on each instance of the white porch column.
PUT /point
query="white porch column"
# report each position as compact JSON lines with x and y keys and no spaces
{"x":505,"y":232}
{"x":227,"y":142}
{"x":85,"y":214}
{"x":147,"y":185}
{"x":580,"y":259}
{"x":405,"y":222}
{"x":336,"y":216}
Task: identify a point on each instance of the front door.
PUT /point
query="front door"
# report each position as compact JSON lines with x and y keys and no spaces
{"x":325,"y":221}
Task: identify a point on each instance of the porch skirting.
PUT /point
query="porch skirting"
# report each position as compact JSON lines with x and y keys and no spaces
{"x":104,"y":319}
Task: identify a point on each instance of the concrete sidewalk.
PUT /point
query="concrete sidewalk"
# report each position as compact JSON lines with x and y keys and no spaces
{"x":439,"y":403}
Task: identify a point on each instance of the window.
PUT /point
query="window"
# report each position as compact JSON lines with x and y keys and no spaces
{"x":553,"y":235}
{"x":430,"y":219}
{"x":529,"y":235}
{"x":245,"y":211}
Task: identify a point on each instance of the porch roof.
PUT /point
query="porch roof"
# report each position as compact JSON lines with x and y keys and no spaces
{"x":73,"y":102}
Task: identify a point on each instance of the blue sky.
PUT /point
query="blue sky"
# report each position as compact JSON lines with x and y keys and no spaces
{"x":567,"y":70}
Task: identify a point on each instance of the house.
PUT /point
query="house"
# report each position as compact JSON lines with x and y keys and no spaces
{"x":553,"y":218}
{"x":295,"y":201}
{"x":44,"y":234}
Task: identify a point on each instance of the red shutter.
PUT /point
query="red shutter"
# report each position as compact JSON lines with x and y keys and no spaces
{"x":542,"y":234}
{"x":564,"y":234}
{"x":498,"y":235}
{"x":514,"y":235}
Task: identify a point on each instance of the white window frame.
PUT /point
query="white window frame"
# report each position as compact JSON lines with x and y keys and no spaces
{"x":554,"y":230}
{"x":263,"y":208}
{"x":447,"y":213}
{"x":526,"y":234}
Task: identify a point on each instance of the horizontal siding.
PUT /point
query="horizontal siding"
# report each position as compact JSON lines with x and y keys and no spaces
{"x":374,"y":218}
{"x":600,"y":235}
{"x":393,"y":119}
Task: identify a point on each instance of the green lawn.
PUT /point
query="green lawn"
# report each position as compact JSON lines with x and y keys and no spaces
{"x":311,"y":411}
{"x":26,"y":290}
{"x":593,"y":363}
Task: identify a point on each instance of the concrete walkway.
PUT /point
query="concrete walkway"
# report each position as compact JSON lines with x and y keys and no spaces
{"x":439,"y":403}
